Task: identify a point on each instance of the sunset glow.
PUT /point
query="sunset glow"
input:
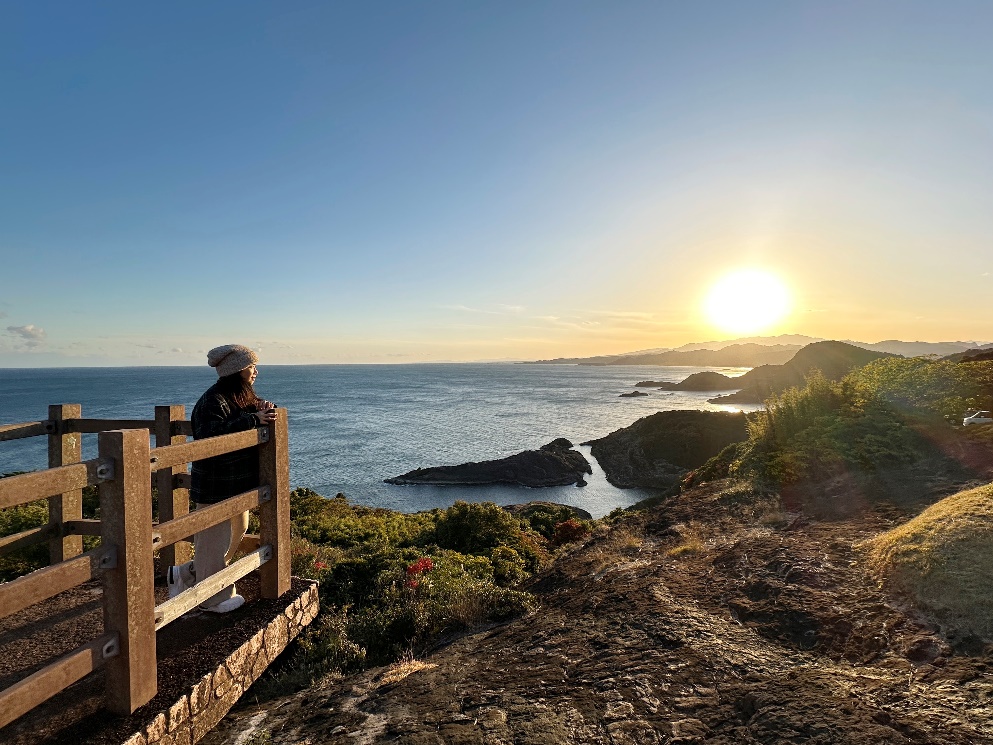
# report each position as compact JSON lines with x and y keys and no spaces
{"x":747,"y":302}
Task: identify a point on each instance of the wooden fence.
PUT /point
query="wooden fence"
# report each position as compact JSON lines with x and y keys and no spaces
{"x":124,"y":472}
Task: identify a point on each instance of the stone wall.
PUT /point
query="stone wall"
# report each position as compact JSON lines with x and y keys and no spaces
{"x":199,"y":711}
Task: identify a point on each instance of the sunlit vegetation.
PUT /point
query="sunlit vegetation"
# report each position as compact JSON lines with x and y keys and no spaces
{"x":879,"y":416}
{"x":943,"y":559}
{"x":393,"y":583}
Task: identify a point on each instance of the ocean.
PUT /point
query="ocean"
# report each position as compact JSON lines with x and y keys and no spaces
{"x":351,"y":426}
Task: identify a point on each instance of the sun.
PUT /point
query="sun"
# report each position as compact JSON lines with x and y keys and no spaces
{"x":747,"y":301}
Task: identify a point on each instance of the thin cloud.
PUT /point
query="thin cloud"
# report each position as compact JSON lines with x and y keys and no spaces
{"x":504,"y":309}
{"x":28,"y":333}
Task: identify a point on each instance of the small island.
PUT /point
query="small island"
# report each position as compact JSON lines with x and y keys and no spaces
{"x":554,"y":464}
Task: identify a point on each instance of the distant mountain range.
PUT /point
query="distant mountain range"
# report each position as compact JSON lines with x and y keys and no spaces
{"x":761,"y":350}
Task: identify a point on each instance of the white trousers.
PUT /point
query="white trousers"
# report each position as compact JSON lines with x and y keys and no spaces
{"x":213,"y":548}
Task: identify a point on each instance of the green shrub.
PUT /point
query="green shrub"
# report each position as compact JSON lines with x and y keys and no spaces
{"x":392,"y":583}
{"x":569,"y":531}
{"x":874,"y":418}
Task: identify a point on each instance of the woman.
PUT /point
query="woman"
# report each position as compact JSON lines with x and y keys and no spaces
{"x":230,"y":405}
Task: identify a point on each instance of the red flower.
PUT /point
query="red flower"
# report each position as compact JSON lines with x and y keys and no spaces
{"x":420,"y":566}
{"x":320,"y":565}
{"x":412,"y":583}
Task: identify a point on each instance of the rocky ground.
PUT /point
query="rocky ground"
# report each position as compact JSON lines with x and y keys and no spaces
{"x":715,"y":618}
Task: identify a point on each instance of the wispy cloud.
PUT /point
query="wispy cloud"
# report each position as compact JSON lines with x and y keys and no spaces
{"x":30,"y":336}
{"x":28,"y":333}
{"x":503,"y":309}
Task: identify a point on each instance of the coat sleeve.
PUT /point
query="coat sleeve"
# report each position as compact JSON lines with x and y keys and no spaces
{"x":216,"y":419}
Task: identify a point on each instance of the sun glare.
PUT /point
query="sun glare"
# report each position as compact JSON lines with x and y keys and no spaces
{"x":747,"y":301}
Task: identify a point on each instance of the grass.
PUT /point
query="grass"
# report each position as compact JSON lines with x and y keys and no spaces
{"x":943,"y":559}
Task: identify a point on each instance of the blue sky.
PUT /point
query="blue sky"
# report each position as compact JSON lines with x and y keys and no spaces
{"x":388,"y":182}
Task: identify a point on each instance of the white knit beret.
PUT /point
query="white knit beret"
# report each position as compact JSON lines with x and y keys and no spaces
{"x":231,"y":358}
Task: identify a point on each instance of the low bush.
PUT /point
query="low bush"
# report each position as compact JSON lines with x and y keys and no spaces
{"x":392,"y":584}
{"x":876,"y":417}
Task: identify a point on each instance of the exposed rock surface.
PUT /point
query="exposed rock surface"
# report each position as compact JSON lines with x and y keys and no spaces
{"x":658,"y":450}
{"x":701,"y":381}
{"x":633,"y":394}
{"x":707,"y":620}
{"x":555,"y":464}
{"x":834,"y":359}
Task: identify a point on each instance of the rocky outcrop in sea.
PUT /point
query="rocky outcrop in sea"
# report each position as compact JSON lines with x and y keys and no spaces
{"x":554,"y":464}
{"x":701,"y":381}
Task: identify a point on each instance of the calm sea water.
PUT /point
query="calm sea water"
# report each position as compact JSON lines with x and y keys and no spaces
{"x":351,"y":426}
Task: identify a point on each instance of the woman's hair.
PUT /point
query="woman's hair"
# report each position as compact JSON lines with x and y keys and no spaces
{"x":238,"y":390}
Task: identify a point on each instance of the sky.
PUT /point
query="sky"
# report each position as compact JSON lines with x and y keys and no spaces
{"x":383,"y":182}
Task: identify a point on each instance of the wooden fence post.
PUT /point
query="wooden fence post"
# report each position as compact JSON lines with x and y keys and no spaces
{"x":128,"y":596}
{"x":64,"y":448}
{"x":274,"y":514}
{"x":173,"y":501}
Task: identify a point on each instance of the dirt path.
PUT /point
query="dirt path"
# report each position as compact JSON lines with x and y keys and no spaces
{"x":692,"y":623}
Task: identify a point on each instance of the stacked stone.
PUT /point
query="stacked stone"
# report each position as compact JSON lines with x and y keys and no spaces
{"x":197,"y":713}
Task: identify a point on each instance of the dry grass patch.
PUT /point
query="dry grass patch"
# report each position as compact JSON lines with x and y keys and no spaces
{"x":400,"y":669}
{"x":691,"y":541}
{"x":943,"y":558}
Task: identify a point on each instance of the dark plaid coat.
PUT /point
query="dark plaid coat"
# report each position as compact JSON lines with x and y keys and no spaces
{"x":223,"y":476}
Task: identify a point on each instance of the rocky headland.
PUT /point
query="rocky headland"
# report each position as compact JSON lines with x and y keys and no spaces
{"x":834,"y":359}
{"x":554,"y":464}
{"x":658,"y":450}
{"x":701,"y":381}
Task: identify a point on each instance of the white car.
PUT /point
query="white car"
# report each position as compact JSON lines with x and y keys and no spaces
{"x":980,"y":417}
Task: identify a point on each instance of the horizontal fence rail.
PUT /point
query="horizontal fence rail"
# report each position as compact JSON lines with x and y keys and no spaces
{"x":172,"y":455}
{"x":47,"y":582}
{"x":21,"y":697}
{"x":189,"y":599}
{"x":27,"y":487}
{"x":165,"y":534}
{"x":25,"y":429}
{"x":27,"y":538}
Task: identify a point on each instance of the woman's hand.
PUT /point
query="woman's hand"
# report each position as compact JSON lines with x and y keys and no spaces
{"x":266,"y":416}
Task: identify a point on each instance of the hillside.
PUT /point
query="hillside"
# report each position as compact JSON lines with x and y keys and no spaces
{"x":716,"y":618}
{"x":834,"y":359}
{"x":748,"y":352}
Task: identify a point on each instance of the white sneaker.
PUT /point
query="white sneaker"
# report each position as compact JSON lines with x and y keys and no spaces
{"x":174,"y":578}
{"x":226,"y":606}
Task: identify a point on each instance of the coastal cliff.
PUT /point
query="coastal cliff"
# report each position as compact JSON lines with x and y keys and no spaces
{"x":658,"y":450}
